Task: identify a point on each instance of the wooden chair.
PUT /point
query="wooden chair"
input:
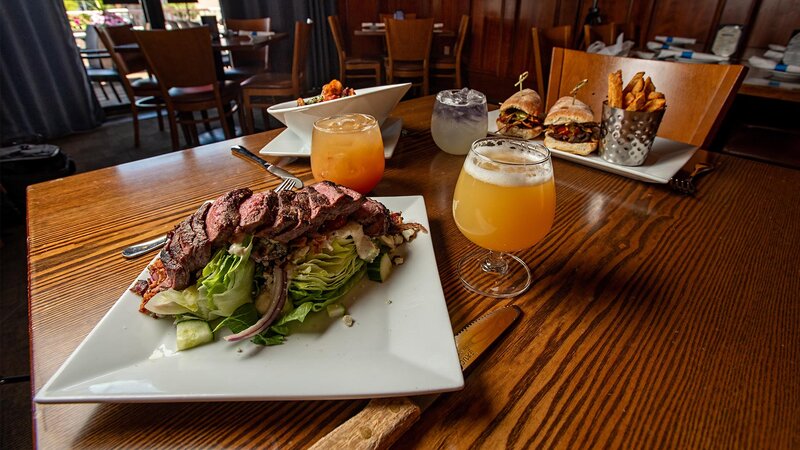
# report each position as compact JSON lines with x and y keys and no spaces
{"x":141,"y":92}
{"x":450,"y":66}
{"x":270,"y":85}
{"x":349,"y":66}
{"x":247,"y":63}
{"x":544,"y":40}
{"x":606,"y":33}
{"x":98,"y":63}
{"x":183,"y":63}
{"x":632,"y":32}
{"x":698,"y":95}
{"x":384,"y":16}
{"x":409,"y":46}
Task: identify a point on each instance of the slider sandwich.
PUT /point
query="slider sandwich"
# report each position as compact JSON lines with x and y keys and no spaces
{"x":520,"y":115}
{"x":571,"y":127}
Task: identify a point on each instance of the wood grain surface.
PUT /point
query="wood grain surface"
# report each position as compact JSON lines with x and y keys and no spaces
{"x":654,"y":320}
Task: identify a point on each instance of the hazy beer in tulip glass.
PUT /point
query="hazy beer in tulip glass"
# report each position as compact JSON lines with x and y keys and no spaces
{"x":504,"y":201}
{"x":348,"y":149}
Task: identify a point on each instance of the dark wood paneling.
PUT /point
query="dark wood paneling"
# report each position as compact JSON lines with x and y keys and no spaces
{"x":775,"y":21}
{"x":499,"y":46}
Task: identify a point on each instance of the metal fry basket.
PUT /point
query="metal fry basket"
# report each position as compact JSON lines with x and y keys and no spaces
{"x":627,"y":136}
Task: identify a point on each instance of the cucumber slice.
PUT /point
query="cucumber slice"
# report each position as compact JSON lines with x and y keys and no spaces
{"x":191,"y":333}
{"x":380,"y":268}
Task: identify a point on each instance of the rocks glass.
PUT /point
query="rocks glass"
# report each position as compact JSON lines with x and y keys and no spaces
{"x":459,"y":118}
{"x":348,"y":149}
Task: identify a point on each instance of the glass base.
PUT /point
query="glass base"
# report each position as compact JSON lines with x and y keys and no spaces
{"x":498,"y":275}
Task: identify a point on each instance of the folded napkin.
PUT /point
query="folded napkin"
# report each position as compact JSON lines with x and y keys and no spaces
{"x":676,"y":40}
{"x":686,"y":54}
{"x":659,"y":46}
{"x":619,"y":48}
{"x":438,"y":25}
{"x":367,"y":24}
{"x":768,"y":64}
{"x":777,"y":48}
{"x":773,"y":55}
{"x":255,"y":33}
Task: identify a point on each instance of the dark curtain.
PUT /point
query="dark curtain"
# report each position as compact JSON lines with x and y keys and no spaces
{"x":43,"y":85}
{"x":322,"y":63}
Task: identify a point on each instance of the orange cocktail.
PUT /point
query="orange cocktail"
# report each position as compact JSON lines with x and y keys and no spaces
{"x":348,"y":149}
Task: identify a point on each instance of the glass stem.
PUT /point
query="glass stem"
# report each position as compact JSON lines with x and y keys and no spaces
{"x":495,"y":262}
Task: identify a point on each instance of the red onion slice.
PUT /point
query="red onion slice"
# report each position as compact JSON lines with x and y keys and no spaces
{"x":279,"y":293}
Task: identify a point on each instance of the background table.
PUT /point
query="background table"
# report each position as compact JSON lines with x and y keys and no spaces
{"x":654,"y":319}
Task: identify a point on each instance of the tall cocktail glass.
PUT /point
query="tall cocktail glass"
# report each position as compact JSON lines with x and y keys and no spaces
{"x":348,"y":149}
{"x":504,"y":201}
{"x":459,"y":118}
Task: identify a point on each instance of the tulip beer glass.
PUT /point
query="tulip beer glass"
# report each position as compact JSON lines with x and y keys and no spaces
{"x":504,"y":201}
{"x":348,"y":149}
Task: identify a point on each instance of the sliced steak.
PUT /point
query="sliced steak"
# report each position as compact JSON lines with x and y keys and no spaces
{"x":373,"y":217}
{"x":257,"y":211}
{"x":302,"y":207}
{"x":223,"y":216}
{"x":285,"y":216}
{"x":342,"y":201}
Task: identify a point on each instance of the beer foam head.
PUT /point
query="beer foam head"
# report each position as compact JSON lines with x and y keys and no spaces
{"x":509,"y":164}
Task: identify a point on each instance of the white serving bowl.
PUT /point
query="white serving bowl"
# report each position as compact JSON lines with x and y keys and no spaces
{"x":376,"y":101}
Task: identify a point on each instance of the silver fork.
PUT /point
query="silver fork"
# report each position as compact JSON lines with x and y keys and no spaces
{"x":683,"y":182}
{"x":145,"y":247}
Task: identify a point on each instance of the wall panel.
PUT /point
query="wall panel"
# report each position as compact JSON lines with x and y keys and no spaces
{"x":499,"y":46}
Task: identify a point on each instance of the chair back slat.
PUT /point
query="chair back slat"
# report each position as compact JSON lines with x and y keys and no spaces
{"x":463,"y":30}
{"x":544,"y":40}
{"x":338,"y":38}
{"x":607,"y":33}
{"x":249,"y":58}
{"x":698,"y":95}
{"x":302,"y":41}
{"x":179,"y":58}
{"x":129,"y":61}
{"x":409,"y":39}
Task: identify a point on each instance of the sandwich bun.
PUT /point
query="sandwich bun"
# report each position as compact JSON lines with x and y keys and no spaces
{"x":526,"y":100}
{"x":583,"y":148}
{"x":565,"y":111}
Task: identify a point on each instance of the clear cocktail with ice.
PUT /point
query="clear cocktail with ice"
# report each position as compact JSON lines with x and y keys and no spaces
{"x":459,"y":118}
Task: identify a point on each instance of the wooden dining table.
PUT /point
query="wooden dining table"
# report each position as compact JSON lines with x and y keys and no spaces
{"x":654,"y":319}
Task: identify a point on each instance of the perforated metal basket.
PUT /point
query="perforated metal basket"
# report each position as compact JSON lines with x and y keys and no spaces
{"x":627,"y":136}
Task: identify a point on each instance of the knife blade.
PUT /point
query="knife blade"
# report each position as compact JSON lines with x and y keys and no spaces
{"x":384,"y":420}
{"x":242,"y":152}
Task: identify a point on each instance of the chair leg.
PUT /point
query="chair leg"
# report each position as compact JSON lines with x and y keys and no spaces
{"x":247,"y":125}
{"x":206,"y":122}
{"x":160,"y":119}
{"x":425,"y":85}
{"x":265,"y":118}
{"x":135,"y":113}
{"x":173,"y":128}
{"x":226,"y":128}
{"x":458,"y":78}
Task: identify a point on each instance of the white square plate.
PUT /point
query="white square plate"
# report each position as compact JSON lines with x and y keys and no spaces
{"x":664,"y":160}
{"x":400,"y":344}
{"x":289,"y":144}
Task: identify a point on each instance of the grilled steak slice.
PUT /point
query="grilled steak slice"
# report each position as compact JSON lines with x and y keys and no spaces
{"x":342,"y":201}
{"x":285,"y":216}
{"x":302,"y":209}
{"x":223,"y":216}
{"x":373,"y":217}
{"x":257,"y":211}
{"x":187,"y":249}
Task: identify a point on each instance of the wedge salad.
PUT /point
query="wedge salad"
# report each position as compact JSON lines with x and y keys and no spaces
{"x":249,"y":265}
